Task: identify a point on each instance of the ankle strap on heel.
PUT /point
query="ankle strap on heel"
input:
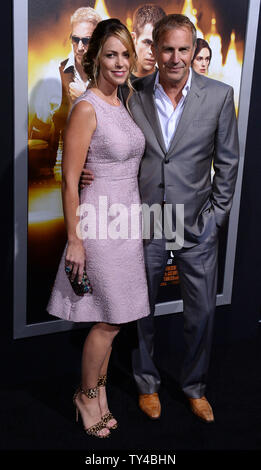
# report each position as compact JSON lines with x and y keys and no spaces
{"x":102,"y":381}
{"x":89,"y":392}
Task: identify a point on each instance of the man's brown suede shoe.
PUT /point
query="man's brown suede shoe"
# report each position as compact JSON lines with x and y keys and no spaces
{"x":149,"y":403}
{"x":202,"y":409}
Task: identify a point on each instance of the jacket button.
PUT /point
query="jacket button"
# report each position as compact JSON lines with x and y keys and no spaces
{"x":161,"y":185}
{"x":167,"y":160}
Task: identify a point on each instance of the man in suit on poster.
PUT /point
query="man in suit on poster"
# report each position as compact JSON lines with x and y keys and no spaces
{"x":73,"y":80}
{"x":64,"y":83}
{"x":144,"y":19}
{"x":188,"y":121}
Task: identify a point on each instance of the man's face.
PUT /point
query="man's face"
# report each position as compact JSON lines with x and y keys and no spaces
{"x":145,"y":59}
{"x":174,"y":53}
{"x":84,"y":31}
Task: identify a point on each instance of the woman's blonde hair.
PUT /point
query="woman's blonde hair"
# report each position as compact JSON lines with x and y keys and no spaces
{"x":103,"y":30}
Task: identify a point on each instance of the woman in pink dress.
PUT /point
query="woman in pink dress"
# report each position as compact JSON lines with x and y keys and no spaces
{"x":101,"y":131}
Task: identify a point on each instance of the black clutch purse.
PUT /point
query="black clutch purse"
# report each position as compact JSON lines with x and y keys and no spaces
{"x":82,"y":288}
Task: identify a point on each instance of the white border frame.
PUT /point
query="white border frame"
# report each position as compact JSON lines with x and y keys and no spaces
{"x":21,"y":328}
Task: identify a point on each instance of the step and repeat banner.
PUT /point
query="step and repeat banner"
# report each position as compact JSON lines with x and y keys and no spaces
{"x":44,"y":50}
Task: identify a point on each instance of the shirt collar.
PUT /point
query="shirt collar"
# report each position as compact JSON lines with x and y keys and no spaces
{"x":71,"y":62}
{"x":185,"y":89}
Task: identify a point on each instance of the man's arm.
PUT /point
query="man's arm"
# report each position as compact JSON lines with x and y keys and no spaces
{"x":226,"y":159}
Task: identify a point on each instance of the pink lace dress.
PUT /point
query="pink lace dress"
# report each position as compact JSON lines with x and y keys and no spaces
{"x":114,"y":246}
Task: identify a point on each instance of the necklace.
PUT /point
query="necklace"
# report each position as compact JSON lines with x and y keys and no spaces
{"x":113,"y":102}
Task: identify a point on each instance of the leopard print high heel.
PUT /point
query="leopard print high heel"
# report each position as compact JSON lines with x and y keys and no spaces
{"x":97,"y":427}
{"x":107,"y":416}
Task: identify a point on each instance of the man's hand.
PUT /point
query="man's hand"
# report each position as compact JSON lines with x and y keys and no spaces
{"x":76,"y":89}
{"x":86,"y":177}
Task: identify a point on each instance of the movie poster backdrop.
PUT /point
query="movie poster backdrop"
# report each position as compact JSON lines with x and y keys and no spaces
{"x":41,"y":238}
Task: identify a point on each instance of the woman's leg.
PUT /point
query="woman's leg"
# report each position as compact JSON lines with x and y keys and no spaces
{"x":111,"y":421}
{"x":95,"y":350}
{"x":104,"y":366}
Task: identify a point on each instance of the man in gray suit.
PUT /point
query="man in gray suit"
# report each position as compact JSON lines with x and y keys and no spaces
{"x":188,"y":121}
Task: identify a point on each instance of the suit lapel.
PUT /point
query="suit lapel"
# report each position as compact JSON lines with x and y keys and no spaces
{"x":190,"y":110}
{"x":147,"y":99}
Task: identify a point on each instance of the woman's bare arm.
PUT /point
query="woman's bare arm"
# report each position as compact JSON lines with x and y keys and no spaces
{"x":80,"y":128}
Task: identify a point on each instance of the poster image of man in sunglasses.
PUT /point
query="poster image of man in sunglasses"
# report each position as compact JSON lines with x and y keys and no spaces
{"x":58,"y":92}
{"x":73,"y":78}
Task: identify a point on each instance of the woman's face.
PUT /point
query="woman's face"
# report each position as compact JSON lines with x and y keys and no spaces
{"x":201,"y":61}
{"x":114,"y":62}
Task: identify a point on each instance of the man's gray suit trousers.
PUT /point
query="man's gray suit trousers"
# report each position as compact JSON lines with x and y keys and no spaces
{"x":197,"y":268}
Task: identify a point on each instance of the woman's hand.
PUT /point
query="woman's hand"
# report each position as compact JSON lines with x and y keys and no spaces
{"x":75,"y":258}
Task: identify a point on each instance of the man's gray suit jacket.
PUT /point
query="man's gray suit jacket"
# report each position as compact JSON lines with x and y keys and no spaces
{"x":206,"y":133}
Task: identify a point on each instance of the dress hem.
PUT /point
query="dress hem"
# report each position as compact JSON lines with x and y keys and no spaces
{"x":98,"y":320}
